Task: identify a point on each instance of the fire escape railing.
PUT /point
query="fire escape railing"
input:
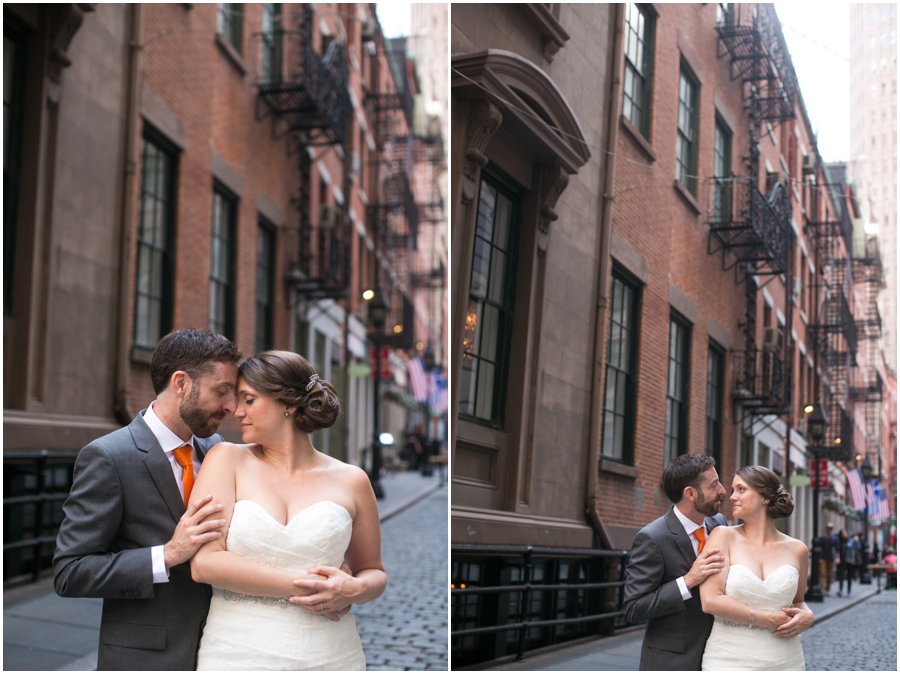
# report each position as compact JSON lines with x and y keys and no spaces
{"x":752,"y":229}
{"x":305,"y":94}
{"x":832,"y":331}
{"x":868,"y":391}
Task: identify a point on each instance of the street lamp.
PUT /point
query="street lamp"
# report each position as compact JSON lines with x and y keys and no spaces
{"x":378,"y":311}
{"x":815,"y":425}
{"x":865,"y":578}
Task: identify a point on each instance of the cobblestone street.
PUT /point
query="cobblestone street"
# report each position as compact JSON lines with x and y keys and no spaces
{"x":862,"y":638}
{"x":406,"y":629}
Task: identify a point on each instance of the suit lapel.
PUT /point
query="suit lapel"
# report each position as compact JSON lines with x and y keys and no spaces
{"x":682,"y":540}
{"x":717,"y":520}
{"x":158,"y":466}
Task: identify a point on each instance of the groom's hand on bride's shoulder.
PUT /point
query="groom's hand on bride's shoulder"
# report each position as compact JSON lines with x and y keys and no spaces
{"x":708,"y":563}
{"x":192,"y":532}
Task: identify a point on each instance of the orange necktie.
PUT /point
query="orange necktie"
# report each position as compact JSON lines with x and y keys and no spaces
{"x":700,"y":535}
{"x":185,"y":457}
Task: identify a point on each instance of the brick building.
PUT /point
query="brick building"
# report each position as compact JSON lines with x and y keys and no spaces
{"x":243,"y":167}
{"x":723,"y":294}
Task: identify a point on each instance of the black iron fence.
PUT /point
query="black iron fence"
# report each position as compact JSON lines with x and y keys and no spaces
{"x":506,"y":600}
{"x":35,"y":485}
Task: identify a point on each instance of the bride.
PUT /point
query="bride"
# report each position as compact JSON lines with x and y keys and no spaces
{"x":757,"y":599}
{"x":292,"y":516}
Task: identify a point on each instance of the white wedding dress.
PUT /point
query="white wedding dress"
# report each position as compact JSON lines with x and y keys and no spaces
{"x":734,"y":646}
{"x":244,"y":632}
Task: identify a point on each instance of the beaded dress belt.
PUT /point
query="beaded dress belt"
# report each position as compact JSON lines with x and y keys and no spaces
{"x":281,"y":602}
{"x":729,"y":623}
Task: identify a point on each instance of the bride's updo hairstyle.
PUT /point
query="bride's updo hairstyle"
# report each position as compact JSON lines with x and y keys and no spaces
{"x":289,"y":378}
{"x":766,"y":482}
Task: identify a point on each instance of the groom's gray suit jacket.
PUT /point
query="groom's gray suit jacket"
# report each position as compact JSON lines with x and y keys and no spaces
{"x":125,"y":500}
{"x":677,"y":630}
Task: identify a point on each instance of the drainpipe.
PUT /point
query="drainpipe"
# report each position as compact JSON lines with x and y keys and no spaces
{"x":123,"y":410}
{"x":612,"y":136}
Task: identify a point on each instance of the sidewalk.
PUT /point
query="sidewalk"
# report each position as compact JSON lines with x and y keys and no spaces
{"x":42,"y":631}
{"x":622,"y":652}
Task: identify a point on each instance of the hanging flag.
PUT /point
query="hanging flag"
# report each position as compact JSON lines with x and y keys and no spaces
{"x":882,"y":511}
{"x":857,"y":491}
{"x":870,"y":499}
{"x":417,"y":380}
{"x":437,"y":401}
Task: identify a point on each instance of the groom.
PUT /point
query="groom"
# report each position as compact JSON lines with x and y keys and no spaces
{"x":668,"y":563}
{"x":127,"y":533}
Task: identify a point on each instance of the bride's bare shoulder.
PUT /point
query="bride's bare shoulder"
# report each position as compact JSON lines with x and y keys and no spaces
{"x":723,"y":532}
{"x":228,"y":451}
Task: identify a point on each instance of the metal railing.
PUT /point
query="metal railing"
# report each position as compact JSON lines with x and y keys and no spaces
{"x":43,"y":494}
{"x":528,"y":587}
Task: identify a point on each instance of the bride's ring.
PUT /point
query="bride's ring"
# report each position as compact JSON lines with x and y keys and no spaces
{"x":321,"y":608}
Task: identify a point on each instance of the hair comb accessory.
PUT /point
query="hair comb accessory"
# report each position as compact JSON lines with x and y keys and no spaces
{"x":780,"y":489}
{"x":312,"y":382}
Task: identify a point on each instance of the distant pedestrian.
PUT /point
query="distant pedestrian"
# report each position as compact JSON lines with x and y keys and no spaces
{"x":890,"y":573}
{"x":847,"y":564}
{"x":826,"y":558}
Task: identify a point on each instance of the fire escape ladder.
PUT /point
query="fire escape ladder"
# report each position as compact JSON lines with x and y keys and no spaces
{"x":305,"y":94}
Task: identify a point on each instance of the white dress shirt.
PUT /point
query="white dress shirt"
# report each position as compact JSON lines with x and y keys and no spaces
{"x":689,"y":527}
{"x":169,"y":443}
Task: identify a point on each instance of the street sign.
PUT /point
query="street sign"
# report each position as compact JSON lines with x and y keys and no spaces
{"x":823,"y":474}
{"x":818,"y":473}
{"x":385,"y":363}
{"x":799,"y":481}
{"x":359,"y":370}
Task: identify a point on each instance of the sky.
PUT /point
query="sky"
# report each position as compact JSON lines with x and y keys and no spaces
{"x":394,"y":18}
{"x":818,"y":38}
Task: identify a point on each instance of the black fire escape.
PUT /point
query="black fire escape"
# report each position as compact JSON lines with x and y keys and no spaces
{"x":867,"y":389}
{"x":305,"y":94}
{"x":752,"y":229}
{"x":832,"y":330}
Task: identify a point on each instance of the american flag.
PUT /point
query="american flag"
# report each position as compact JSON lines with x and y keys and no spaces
{"x":437,"y":401}
{"x":857,"y":491}
{"x":417,"y":379}
{"x":870,"y":499}
{"x":881,"y":509}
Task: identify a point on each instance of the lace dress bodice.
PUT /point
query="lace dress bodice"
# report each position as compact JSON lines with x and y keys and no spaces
{"x":246,"y":632}
{"x":737,"y":646}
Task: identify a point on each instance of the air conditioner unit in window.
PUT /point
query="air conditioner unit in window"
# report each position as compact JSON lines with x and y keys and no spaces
{"x":809,"y":163}
{"x":368,"y":30}
{"x":328,"y":217}
{"x":772,"y":339}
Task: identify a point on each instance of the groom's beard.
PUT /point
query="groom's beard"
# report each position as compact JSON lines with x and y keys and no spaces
{"x":708,"y":508}
{"x":202,"y":423}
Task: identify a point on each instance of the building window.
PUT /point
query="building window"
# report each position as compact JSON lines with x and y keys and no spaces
{"x":722,"y":173}
{"x":230,"y":23}
{"x":686,"y":150}
{"x":489,"y":315}
{"x":638,"y":67}
{"x":265,"y":285}
{"x":621,"y":359}
{"x":715,"y":369}
{"x":13,"y":123}
{"x":725,"y":14}
{"x":676,"y":389}
{"x":272,"y":32}
{"x":153,"y":297}
{"x":221,"y":264}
